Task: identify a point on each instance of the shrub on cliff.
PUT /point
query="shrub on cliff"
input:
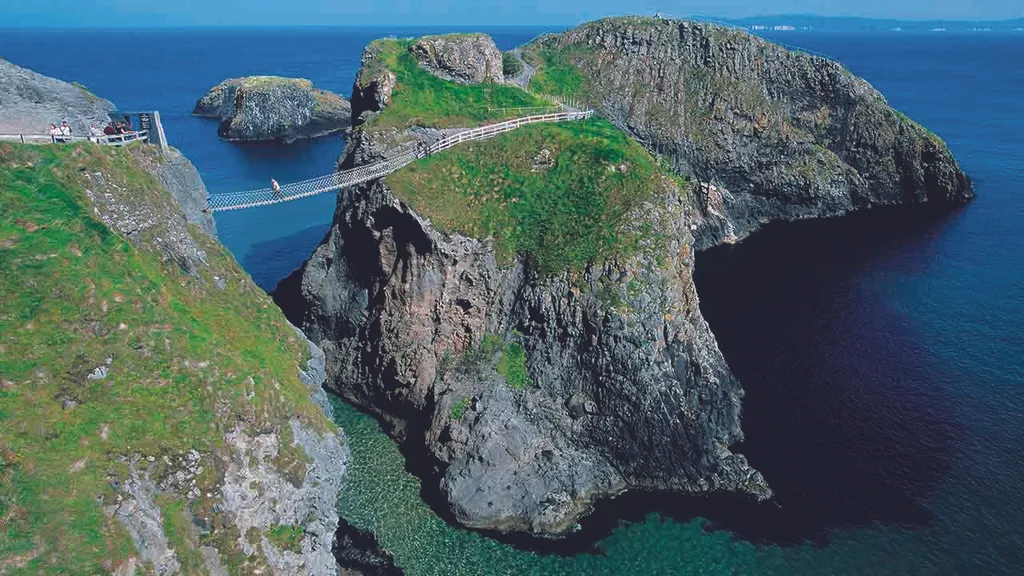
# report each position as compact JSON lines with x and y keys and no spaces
{"x":511,"y":65}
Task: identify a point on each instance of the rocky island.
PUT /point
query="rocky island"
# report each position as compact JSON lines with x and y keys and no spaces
{"x":521,"y":312}
{"x":273,"y":108}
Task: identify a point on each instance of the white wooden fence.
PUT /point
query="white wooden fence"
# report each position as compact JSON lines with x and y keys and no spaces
{"x":114,"y":140}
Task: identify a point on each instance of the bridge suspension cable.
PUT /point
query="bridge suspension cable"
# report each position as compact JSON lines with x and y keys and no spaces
{"x":394,"y":162}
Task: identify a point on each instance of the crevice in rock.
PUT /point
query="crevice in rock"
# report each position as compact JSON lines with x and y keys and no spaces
{"x":357,"y":552}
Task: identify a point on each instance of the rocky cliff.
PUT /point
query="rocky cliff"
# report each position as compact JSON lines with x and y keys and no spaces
{"x":769,"y":132}
{"x":528,"y":393}
{"x":273,"y":108}
{"x":160,"y":415}
{"x":462,"y":58}
{"x":30,"y":102}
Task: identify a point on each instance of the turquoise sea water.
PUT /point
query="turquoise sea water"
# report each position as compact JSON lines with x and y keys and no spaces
{"x":882,"y":354}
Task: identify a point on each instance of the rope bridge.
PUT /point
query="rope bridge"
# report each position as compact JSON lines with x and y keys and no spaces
{"x":394,"y":162}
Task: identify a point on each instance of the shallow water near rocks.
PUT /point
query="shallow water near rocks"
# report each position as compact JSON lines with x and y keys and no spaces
{"x":882,"y":354}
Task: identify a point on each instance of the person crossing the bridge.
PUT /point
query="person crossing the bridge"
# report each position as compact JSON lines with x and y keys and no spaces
{"x":276,"y":188}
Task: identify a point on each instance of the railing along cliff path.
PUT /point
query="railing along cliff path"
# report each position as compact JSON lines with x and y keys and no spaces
{"x":151,"y":131}
{"x":402,"y":158}
{"x":114,"y":140}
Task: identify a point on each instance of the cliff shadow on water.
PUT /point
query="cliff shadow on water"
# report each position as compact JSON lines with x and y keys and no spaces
{"x":271,"y":261}
{"x":845,"y":412}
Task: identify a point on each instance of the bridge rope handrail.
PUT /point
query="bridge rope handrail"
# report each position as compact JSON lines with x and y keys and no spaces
{"x":365,"y":173}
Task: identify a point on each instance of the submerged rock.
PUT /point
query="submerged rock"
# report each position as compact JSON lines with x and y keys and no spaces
{"x":273,"y":108}
{"x":358,"y":553}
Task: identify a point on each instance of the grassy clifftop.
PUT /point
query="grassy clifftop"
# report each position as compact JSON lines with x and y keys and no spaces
{"x":790,"y":135}
{"x":111,"y":353}
{"x":422,"y":99}
{"x":561,"y":195}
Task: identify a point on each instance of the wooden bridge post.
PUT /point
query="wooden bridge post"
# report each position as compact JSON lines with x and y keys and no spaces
{"x":161,"y":139}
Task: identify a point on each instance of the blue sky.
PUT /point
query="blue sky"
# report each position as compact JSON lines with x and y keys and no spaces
{"x":461,"y":12}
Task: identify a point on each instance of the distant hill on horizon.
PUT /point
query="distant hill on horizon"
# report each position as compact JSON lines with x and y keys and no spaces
{"x":806,"y":22}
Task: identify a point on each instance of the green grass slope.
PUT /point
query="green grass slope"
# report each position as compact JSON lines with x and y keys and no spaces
{"x":185,"y":361}
{"x":422,"y":99}
{"x":561,"y":195}
{"x":555,"y":74}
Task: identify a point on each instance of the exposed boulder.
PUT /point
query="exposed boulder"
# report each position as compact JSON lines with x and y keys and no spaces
{"x":359,"y":554}
{"x":30,"y":102}
{"x":463,"y":58}
{"x":273,"y":108}
{"x":374,"y":84}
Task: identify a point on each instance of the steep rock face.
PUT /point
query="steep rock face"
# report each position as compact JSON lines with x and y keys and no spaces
{"x":254,"y":492}
{"x":777,"y":134}
{"x":632,"y":395}
{"x":374,"y":84}
{"x":463,"y":58}
{"x":273,"y":108}
{"x":629,"y":389}
{"x":179,"y":177}
{"x":29,"y":102}
{"x":262,"y":477}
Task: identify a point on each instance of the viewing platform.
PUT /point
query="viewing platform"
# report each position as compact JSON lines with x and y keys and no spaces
{"x":149,"y":129}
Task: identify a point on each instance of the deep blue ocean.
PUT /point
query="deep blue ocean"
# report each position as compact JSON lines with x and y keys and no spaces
{"x":882,"y":353}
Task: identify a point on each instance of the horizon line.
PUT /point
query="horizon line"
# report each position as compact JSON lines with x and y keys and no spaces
{"x":696,"y":17}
